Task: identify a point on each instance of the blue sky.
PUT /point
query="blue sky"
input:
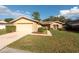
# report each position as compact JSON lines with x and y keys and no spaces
{"x":13,"y":11}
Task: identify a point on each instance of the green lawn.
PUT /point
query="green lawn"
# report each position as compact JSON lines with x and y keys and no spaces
{"x":2,"y":31}
{"x":61,"y":41}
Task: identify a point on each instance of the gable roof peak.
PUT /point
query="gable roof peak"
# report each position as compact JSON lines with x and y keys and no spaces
{"x":20,"y":17}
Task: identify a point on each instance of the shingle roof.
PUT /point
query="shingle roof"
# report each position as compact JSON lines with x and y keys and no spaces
{"x":2,"y":22}
{"x":24,"y":18}
{"x":49,"y":22}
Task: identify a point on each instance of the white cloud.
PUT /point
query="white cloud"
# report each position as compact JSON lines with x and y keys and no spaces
{"x":5,"y":11}
{"x":71,"y":13}
{"x":74,"y":10}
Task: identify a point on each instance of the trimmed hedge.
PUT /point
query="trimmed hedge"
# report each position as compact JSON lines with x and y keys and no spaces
{"x":10,"y":29}
{"x":42,"y":29}
{"x":2,"y":31}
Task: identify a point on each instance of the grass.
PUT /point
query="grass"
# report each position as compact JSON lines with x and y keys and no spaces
{"x":61,"y":41}
{"x":2,"y":31}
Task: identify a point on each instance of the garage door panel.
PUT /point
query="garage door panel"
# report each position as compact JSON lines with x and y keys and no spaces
{"x":24,"y":28}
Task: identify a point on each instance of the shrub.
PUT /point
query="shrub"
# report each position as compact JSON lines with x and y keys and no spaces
{"x":10,"y":29}
{"x":41,"y":29}
{"x":2,"y":31}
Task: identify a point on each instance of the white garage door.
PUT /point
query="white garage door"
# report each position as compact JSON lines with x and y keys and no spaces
{"x":24,"y":28}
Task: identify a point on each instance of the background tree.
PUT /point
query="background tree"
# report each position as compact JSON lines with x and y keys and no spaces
{"x":49,"y":18}
{"x":54,"y":18}
{"x":62,"y":19}
{"x":36,"y":16}
{"x":68,"y":20}
{"x":8,"y":19}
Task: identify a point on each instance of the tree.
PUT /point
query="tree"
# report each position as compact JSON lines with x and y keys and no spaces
{"x":52,"y":18}
{"x":55,"y":19}
{"x":49,"y":18}
{"x":68,"y":20}
{"x":36,"y":16}
{"x":8,"y":19}
{"x":62,"y":19}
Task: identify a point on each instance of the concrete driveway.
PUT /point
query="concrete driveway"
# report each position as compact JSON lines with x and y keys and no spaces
{"x":10,"y":37}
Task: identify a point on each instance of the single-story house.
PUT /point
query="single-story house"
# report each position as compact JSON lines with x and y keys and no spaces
{"x":24,"y":24}
{"x":56,"y":25}
{"x":2,"y":24}
{"x":53,"y":24}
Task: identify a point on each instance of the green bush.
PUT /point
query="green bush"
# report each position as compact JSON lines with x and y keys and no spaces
{"x":2,"y":31}
{"x":41,"y":29}
{"x":10,"y":29}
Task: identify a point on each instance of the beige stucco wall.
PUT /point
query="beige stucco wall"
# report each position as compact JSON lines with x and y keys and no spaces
{"x":53,"y":23}
{"x":35,"y":27}
{"x":39,"y":25}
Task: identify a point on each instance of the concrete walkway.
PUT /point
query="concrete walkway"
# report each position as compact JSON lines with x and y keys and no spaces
{"x":12,"y":50}
{"x":9,"y":38}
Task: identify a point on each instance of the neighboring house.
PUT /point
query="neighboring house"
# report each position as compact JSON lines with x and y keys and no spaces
{"x":24,"y":24}
{"x":53,"y":24}
{"x":56,"y":25}
{"x":2,"y":24}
